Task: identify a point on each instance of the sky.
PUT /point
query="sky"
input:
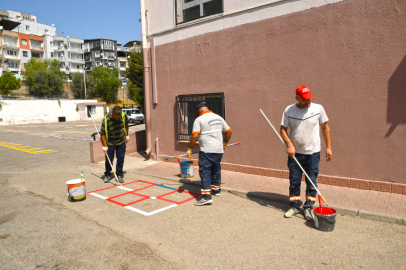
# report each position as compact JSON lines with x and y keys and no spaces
{"x":85,"y":19}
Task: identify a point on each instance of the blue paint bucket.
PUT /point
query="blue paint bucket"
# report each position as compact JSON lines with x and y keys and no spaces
{"x":186,"y":169}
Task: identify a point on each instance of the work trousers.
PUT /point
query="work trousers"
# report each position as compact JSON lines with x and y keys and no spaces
{"x":310,"y":163}
{"x":120,"y":153}
{"x":210,"y":173}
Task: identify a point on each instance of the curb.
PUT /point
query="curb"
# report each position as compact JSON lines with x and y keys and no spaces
{"x":282,"y":199}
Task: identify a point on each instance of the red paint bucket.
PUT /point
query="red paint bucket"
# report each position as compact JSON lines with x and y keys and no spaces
{"x":325,"y":218}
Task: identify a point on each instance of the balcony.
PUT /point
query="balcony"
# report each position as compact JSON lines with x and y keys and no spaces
{"x":37,"y":48}
{"x":78,"y":50}
{"x":107,"y":47}
{"x":13,"y":45}
{"x":72,"y":70}
{"x":59,"y":48}
{"x":88,"y":59}
{"x":61,"y":58}
{"x":75,"y":60}
{"x":12,"y":57}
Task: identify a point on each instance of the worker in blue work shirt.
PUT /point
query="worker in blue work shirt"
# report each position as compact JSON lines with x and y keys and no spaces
{"x":209,"y":128}
{"x":114,"y":135}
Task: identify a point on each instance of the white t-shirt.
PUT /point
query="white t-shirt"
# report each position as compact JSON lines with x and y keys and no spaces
{"x":304,"y":127}
{"x":210,"y":128}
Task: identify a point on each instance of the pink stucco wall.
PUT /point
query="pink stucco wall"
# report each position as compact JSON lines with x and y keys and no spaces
{"x":351,"y":54}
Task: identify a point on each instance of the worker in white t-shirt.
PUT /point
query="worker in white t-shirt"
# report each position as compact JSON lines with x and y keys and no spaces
{"x":209,"y":128}
{"x":303,"y":141}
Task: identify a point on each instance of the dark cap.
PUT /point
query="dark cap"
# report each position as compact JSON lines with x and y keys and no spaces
{"x":199,"y":106}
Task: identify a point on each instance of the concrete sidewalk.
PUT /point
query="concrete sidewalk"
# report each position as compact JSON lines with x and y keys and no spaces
{"x":383,"y":206}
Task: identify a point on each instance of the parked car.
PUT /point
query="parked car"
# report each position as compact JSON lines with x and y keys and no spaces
{"x":134,"y":115}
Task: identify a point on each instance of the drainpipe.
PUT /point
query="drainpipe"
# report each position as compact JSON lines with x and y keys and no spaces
{"x":147,"y":78}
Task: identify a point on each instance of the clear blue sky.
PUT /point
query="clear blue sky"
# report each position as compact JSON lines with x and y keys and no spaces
{"x":85,"y":19}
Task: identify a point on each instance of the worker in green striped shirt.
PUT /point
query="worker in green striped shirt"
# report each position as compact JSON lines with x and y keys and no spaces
{"x":114,"y":135}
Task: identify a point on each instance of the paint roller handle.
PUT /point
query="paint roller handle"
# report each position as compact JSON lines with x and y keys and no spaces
{"x":231,"y":144}
{"x":324,"y":200}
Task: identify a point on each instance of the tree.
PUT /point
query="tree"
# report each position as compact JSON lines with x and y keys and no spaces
{"x":44,"y":77}
{"x":77,"y":86}
{"x":8,"y":83}
{"x":46,"y":83}
{"x":135,"y":75}
{"x":106,"y":82}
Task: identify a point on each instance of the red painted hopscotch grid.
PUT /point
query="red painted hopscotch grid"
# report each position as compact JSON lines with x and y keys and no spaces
{"x":145,"y":197}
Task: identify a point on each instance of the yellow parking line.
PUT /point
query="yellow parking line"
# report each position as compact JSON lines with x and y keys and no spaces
{"x":26,"y":148}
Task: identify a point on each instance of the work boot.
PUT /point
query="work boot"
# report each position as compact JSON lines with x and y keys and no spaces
{"x":120,"y":179}
{"x":203,"y":201}
{"x":308,"y":214}
{"x":105,"y":178}
{"x":216,"y":192}
{"x":292,"y":212}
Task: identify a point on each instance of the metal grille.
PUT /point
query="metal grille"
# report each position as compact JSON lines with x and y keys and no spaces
{"x":186,"y":111}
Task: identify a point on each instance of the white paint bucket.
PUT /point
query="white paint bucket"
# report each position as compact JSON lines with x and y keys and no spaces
{"x":76,"y":190}
{"x":186,"y":169}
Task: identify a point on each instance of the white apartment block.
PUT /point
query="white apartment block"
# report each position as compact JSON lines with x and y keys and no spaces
{"x":68,"y":51}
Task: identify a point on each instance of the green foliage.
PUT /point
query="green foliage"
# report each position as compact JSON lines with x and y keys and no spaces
{"x":8,"y":83}
{"x":46,"y":83}
{"x":135,"y":75}
{"x":44,"y":77}
{"x":59,"y":103}
{"x":106,"y":82}
{"x":78,"y":88}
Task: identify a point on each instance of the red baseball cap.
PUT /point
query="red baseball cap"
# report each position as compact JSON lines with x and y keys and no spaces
{"x":304,"y":92}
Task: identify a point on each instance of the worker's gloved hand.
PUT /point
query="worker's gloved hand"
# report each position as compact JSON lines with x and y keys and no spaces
{"x":105,"y":148}
{"x":189,"y":152}
{"x":127,"y":138}
{"x":224,"y":146}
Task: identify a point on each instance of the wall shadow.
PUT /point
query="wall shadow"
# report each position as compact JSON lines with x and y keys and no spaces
{"x":276,"y":201}
{"x":396,"y":110}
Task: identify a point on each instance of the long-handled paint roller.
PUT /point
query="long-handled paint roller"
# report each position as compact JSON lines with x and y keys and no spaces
{"x":112,"y":169}
{"x":231,"y":144}
{"x":324,"y":200}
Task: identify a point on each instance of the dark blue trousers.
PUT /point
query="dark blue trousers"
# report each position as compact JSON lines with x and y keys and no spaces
{"x":310,"y":163}
{"x":210,"y":173}
{"x":120,"y":153}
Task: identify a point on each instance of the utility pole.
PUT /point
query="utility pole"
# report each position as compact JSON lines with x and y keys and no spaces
{"x":84,"y":79}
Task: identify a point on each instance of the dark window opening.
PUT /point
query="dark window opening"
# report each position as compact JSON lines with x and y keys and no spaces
{"x":186,"y":111}
{"x":192,"y":13}
{"x":212,"y":7}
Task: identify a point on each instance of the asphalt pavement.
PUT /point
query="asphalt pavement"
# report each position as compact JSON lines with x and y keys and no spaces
{"x":151,"y":223}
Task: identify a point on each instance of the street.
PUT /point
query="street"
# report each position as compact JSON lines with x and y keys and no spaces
{"x":41,"y":229}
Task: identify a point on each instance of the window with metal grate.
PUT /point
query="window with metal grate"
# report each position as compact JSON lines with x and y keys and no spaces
{"x":186,"y":111}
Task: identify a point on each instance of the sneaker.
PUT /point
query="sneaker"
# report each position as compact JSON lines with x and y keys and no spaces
{"x":203,"y":201}
{"x":292,"y":212}
{"x":105,"y":178}
{"x":216,"y":192}
{"x":120,"y":179}
{"x":308,"y":214}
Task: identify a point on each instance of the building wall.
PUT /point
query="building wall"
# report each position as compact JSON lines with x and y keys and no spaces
{"x":352,"y":55}
{"x":15,"y":112}
{"x":35,"y":29}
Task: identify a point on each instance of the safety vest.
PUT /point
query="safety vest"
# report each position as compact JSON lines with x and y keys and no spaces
{"x":106,"y":128}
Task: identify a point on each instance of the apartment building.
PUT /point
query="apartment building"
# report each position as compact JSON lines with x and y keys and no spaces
{"x":99,"y":52}
{"x":10,"y":52}
{"x":31,"y":46}
{"x":122,"y":63}
{"x":15,"y":16}
{"x":68,"y":51}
